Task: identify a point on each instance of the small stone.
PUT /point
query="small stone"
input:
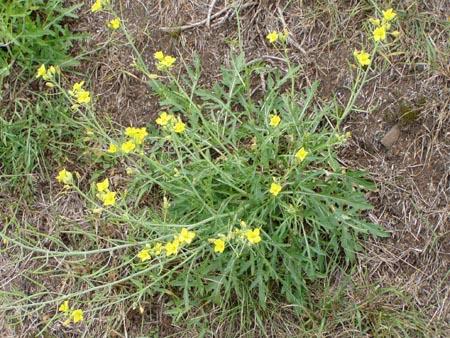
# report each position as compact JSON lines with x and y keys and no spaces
{"x":391,"y":137}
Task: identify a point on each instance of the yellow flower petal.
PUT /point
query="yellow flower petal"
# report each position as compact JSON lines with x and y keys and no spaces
{"x":219,"y":245}
{"x":128,"y":147}
{"x":159,"y":55}
{"x":379,"y":34}
{"x":65,"y":177}
{"x":389,"y":14}
{"x":77,"y":316}
{"x":274,"y":120}
{"x":97,"y":6}
{"x":186,"y":236}
{"x":172,"y":247}
{"x":42,"y":71}
{"x":64,"y":307}
{"x":179,"y":127}
{"x":144,"y":255}
{"x":272,"y":37}
{"x":112,"y":149}
{"x":108,"y":198}
{"x":103,"y":185}
{"x":115,"y":23}
{"x":253,"y":236}
{"x":362,"y":57}
{"x":275,"y":189}
{"x":301,"y":154}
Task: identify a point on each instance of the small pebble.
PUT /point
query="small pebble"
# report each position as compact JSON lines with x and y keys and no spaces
{"x":391,"y":137}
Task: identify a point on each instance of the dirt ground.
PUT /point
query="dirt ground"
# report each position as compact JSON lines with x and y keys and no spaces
{"x":412,"y":175}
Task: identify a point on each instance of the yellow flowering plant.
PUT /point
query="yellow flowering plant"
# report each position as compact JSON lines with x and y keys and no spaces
{"x":259,"y":203}
{"x":215,"y":179}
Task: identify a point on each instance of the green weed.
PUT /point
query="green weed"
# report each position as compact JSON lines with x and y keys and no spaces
{"x":34,"y":32}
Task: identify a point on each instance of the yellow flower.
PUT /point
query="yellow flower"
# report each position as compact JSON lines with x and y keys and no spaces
{"x":362,"y":57}
{"x":275,"y":189}
{"x":65,"y":177}
{"x":253,"y":236}
{"x":64,"y":307}
{"x":389,"y":14}
{"x":78,"y":86}
{"x":130,"y":131}
{"x":219,"y":245}
{"x":112,"y":149}
{"x":185,"y":236}
{"x":272,"y":37}
{"x":157,"y":248}
{"x":172,"y":247}
{"x":77,"y":316}
{"x":51,"y":70}
{"x":138,"y":134}
{"x":103,"y":185}
{"x":83,"y":97}
{"x":379,"y":34}
{"x":41,"y":72}
{"x":97,"y":6}
{"x":144,"y":255}
{"x":166,"y":63}
{"x":159,"y":55}
{"x":109,"y":198}
{"x":301,"y":154}
{"x":163,"y":119}
{"x":115,"y":23}
{"x":179,"y":127}
{"x":274,"y":120}
{"x":128,"y":147}
{"x":375,"y":22}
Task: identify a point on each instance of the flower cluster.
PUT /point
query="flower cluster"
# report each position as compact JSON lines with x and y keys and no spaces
{"x":47,"y":74}
{"x":115,"y":23}
{"x":184,"y":237}
{"x":98,"y":5}
{"x":104,"y":194}
{"x":169,"y":121}
{"x":81,"y":95}
{"x":171,"y":248}
{"x":75,"y":315}
{"x":275,"y":36}
{"x":250,"y":236}
{"x":275,"y":187}
{"x":163,"y":61}
{"x":136,"y":137}
{"x":65,"y":177}
{"x":382,"y":27}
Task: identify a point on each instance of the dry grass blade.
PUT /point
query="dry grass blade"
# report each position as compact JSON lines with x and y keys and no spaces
{"x":209,"y":18}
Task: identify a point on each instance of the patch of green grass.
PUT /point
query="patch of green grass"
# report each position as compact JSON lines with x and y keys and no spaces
{"x":36,"y":135}
{"x":34,"y":32}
